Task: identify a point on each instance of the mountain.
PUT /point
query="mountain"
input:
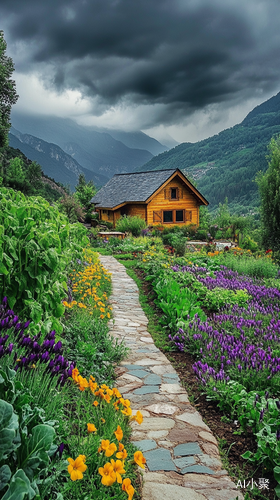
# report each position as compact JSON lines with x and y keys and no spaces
{"x":226,"y":164}
{"x":54,"y":161}
{"x":138,"y":140}
{"x":96,"y":151}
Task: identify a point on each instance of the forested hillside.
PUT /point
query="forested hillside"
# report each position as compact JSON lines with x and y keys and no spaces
{"x":226,"y":164}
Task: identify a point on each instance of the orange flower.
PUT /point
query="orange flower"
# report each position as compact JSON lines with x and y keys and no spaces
{"x":119,"y":433}
{"x":109,"y":449}
{"x":122,"y":455}
{"x":77,"y":467}
{"x":128,"y":488}
{"x":138,"y":417}
{"x":92,"y":385}
{"x":83,"y":383}
{"x":139,"y":459}
{"x":75,"y":373}
{"x":127,"y":412}
{"x":107,"y":398}
{"x":118,"y":468}
{"x":91,"y":428}
{"x":103,"y":420}
{"x":95,"y":403}
{"x":108,"y":474}
{"x":116,"y":393}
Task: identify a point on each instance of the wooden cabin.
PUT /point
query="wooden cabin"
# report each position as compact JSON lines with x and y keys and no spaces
{"x":164,"y":197}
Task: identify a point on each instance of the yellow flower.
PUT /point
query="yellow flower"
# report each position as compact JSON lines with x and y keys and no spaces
{"x":102,"y":316}
{"x":77,"y":467}
{"x":108,"y":474}
{"x":116,"y":392}
{"x":122,"y":454}
{"x":107,"y":398}
{"x":139,"y":459}
{"x":91,"y":428}
{"x":118,"y":468}
{"x":119,"y":433}
{"x":95,"y":403}
{"x":127,"y":412}
{"x":128,"y":488}
{"x":102,"y":309}
{"x":138,"y":417}
{"x":108,"y":315}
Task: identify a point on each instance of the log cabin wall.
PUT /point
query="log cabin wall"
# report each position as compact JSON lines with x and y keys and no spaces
{"x":106,"y":215}
{"x":137,"y":209}
{"x":175,"y":197}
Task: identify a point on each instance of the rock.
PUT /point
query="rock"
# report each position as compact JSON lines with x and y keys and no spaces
{"x":163,"y":368}
{"x":159,"y":459}
{"x":200,"y":469}
{"x":162,"y":408}
{"x":145,"y":444}
{"x":206,"y":436}
{"x":182,"y":435}
{"x":155,"y":424}
{"x":193,"y":419}
{"x":157,"y":491}
{"x":211,"y":449}
{"x":157,"y":434}
{"x":182,"y":450}
{"x":147,"y":389}
{"x":172,"y":388}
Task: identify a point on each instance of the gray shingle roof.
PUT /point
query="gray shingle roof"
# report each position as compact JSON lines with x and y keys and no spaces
{"x":127,"y":188}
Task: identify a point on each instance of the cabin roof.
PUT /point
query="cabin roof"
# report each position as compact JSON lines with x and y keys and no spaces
{"x":134,"y":187}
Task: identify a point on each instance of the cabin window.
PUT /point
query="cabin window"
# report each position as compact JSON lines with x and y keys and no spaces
{"x":105,"y":212}
{"x":175,"y":216}
{"x":174,"y":193}
{"x":168,"y":216}
{"x":179,"y":215}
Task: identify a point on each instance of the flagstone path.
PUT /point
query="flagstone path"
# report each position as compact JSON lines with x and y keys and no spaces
{"x":183,"y":461}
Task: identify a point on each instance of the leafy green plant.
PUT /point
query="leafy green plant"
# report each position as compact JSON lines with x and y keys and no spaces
{"x":131,"y":224}
{"x":37,"y":246}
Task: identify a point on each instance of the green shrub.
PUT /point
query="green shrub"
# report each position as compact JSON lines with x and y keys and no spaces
{"x":249,"y":244}
{"x":131,"y":224}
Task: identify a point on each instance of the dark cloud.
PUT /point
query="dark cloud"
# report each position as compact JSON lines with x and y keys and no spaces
{"x":182,"y":54}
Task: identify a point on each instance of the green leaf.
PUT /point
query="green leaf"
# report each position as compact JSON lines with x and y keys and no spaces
{"x":5,"y":476}
{"x":19,"y":487}
{"x":3,"y":269}
{"x":8,"y":427}
{"x":36,"y":448}
{"x":59,"y":311}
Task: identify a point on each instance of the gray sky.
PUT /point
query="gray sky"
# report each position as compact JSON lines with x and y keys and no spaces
{"x":188,"y":68}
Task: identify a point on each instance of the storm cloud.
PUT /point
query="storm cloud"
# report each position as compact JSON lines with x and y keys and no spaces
{"x":175,"y":57}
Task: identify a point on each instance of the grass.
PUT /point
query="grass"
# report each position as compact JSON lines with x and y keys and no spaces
{"x":157,"y":332}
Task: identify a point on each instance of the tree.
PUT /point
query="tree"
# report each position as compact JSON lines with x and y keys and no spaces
{"x":8,"y":95}
{"x":84,"y":192}
{"x":269,"y":188}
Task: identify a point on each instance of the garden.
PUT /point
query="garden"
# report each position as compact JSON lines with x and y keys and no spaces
{"x":216,"y":316}
{"x":64,"y":427}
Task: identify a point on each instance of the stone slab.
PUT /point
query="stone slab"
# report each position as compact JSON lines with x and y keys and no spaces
{"x":145,"y":444}
{"x":184,"y":462}
{"x":199,"y":469}
{"x":157,"y":491}
{"x":163,"y":368}
{"x":147,"y":389}
{"x":155,"y":424}
{"x":210,"y":461}
{"x":162,"y":408}
{"x":159,"y":459}
{"x":152,"y":379}
{"x":182,"y":435}
{"x":182,"y":450}
{"x":147,"y":362}
{"x":207,"y":436}
{"x":157,"y":434}
{"x":193,"y":419}
{"x":138,"y":373}
{"x":172,"y":388}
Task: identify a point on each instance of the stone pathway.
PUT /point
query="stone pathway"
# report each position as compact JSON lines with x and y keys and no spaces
{"x":183,"y":461}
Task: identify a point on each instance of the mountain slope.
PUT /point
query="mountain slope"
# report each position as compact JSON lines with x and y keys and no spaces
{"x":98,"y":152}
{"x":226,"y":164}
{"x":54,"y":161}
